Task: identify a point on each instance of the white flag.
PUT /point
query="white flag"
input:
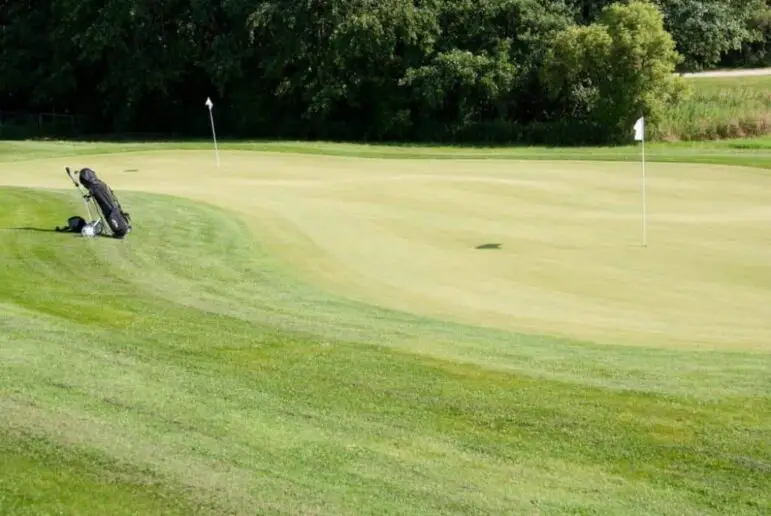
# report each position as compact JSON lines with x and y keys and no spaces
{"x":639,"y":129}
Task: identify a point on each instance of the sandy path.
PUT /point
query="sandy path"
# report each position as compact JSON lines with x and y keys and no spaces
{"x":730,"y":73}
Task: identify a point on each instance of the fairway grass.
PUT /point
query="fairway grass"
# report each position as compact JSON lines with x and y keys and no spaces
{"x":289,"y":335}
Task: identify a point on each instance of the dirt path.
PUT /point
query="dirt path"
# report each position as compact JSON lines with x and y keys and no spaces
{"x":730,"y":73}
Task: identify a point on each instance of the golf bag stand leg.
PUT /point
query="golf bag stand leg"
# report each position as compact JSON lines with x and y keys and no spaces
{"x":96,"y":225}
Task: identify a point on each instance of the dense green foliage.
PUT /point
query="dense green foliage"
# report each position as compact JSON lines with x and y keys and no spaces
{"x":707,"y":32}
{"x":616,"y":69}
{"x":356,"y":69}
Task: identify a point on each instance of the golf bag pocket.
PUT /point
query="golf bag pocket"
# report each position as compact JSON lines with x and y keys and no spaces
{"x":119,"y":223}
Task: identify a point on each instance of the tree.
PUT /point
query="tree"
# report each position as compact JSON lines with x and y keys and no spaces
{"x":617,"y":69}
{"x":365,"y":69}
{"x":756,"y":53}
{"x":479,"y":72}
{"x":706,"y":30}
{"x":335,"y":64}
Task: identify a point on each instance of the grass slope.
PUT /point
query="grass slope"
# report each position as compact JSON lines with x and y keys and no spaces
{"x":144,"y":388}
{"x":40,"y":476}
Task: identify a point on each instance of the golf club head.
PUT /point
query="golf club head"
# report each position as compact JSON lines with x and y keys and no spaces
{"x":69,"y":173}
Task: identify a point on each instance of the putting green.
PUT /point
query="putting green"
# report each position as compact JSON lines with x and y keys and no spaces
{"x":404,"y":234}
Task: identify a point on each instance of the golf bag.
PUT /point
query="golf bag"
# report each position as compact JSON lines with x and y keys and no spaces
{"x":105,"y":202}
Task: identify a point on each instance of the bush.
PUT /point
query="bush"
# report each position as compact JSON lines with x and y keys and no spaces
{"x":617,"y":69}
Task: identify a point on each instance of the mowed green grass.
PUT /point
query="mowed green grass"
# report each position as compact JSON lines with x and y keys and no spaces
{"x":751,"y":152}
{"x":230,"y":357}
{"x":403,"y":233}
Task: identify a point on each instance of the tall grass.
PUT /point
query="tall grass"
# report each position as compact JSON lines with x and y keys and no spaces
{"x":720,"y":108}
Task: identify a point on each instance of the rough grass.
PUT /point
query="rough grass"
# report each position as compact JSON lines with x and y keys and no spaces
{"x":752,"y":152}
{"x":195,"y":373}
{"x":720,"y":108}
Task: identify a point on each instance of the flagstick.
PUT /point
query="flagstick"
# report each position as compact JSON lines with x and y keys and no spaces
{"x":214,"y":135}
{"x":639,"y":135}
{"x":210,"y":104}
{"x":644,"y":207}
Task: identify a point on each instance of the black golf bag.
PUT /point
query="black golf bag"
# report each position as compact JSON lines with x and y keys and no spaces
{"x":113,"y":215}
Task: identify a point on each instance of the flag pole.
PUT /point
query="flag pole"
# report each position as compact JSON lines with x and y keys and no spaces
{"x":210,"y":105}
{"x":644,"y":195}
{"x":639,"y":135}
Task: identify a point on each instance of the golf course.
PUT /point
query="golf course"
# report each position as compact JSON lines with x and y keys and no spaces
{"x":344,"y":329}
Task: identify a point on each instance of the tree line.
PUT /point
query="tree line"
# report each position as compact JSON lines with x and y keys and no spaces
{"x":532,"y":71}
